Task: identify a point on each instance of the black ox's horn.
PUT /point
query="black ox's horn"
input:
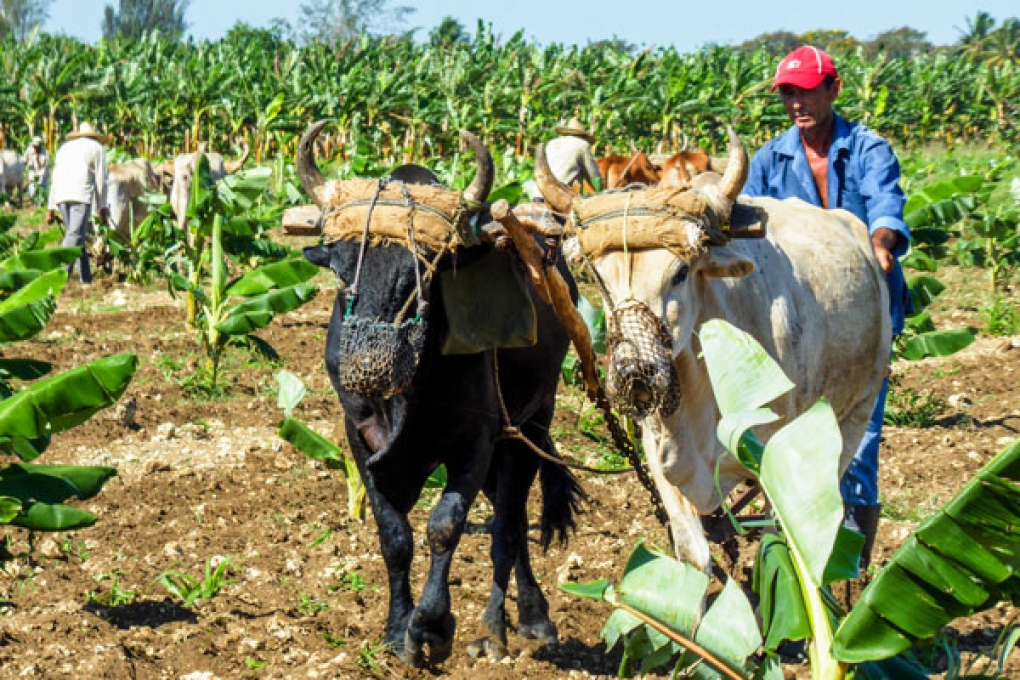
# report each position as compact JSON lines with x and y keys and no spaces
{"x":311,"y":178}
{"x":481,"y":185}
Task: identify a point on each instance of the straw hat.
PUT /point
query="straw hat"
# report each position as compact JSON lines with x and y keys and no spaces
{"x":575,"y":128}
{"x":86,"y":129}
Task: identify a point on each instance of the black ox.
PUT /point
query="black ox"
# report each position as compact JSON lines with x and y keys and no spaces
{"x":449,"y":414}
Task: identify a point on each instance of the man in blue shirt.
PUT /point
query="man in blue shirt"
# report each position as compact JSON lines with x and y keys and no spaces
{"x":832,"y":163}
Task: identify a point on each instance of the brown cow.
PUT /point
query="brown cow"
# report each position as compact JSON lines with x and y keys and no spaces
{"x":620,"y":171}
{"x":679,"y":169}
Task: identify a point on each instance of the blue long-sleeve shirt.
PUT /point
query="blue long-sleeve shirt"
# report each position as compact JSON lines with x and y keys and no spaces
{"x":863,"y":178}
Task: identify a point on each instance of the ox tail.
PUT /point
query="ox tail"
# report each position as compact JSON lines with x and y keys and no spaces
{"x":562,"y":499}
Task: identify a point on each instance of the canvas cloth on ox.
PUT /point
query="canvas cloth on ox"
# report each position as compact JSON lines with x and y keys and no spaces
{"x":439,"y":217}
{"x":644,"y":219}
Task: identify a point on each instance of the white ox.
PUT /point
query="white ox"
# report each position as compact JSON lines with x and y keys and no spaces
{"x":811,"y":292}
{"x":12,"y":174}
{"x":184,"y":171}
{"x":126,"y":183}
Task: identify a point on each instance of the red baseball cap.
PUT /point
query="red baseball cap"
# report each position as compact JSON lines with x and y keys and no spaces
{"x":806,"y":67}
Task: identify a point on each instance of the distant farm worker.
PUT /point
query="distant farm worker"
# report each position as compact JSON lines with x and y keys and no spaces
{"x":830,"y":162}
{"x":570,"y":158}
{"x":37,"y":161}
{"x":79,"y":186}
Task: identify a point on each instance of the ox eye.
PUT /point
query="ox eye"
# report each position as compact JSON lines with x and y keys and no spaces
{"x":680,"y":275}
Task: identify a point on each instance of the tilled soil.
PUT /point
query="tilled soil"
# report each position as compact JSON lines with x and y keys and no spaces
{"x":205,"y":479}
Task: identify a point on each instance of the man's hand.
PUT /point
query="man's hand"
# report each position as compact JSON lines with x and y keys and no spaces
{"x":50,"y":217}
{"x":885,"y":242}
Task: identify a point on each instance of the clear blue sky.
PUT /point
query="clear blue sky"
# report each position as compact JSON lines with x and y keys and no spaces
{"x":687,"y":25}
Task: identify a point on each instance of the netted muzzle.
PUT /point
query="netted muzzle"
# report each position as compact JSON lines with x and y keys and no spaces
{"x":642,"y":378}
{"x":379,"y":359}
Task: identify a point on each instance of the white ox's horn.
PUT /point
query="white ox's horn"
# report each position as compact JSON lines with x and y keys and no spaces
{"x":557,"y":194}
{"x":233,"y":166}
{"x":724,"y":194}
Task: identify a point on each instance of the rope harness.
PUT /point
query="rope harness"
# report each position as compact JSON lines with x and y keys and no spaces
{"x":381,"y":357}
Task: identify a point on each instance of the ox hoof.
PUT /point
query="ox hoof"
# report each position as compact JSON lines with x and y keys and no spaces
{"x":544,"y":632}
{"x":493,"y":650}
{"x":413,"y":653}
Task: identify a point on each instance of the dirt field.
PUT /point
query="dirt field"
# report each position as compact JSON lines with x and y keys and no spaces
{"x":202,"y":480}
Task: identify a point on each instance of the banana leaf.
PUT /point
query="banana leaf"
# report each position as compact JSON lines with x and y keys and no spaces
{"x":63,"y":401}
{"x":48,"y":285}
{"x":50,"y":517}
{"x":25,"y":321}
{"x":595,"y":319}
{"x":43,"y":260}
{"x":53,"y":483}
{"x":9,"y":509}
{"x":924,"y":289}
{"x":671,"y":593}
{"x":15,"y":279}
{"x":272,"y":276}
{"x":256,"y":312}
{"x":781,"y":605}
{"x":961,"y":561}
{"x":936,"y":344}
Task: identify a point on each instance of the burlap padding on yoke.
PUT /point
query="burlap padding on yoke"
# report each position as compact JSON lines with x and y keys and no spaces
{"x":436,"y":212}
{"x":653,"y":220}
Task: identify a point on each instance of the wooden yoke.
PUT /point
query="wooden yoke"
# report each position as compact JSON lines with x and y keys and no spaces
{"x":553,"y":288}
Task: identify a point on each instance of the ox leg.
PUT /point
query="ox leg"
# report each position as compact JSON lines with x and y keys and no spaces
{"x":431,"y":622}
{"x":685,"y":527}
{"x":516,"y":470}
{"x":396,"y":542}
{"x":532,"y":607}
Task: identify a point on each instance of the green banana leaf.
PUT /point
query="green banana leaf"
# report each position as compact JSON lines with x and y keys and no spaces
{"x":63,"y":401}
{"x":48,"y":517}
{"x":595,"y":319}
{"x":312,"y":444}
{"x":936,"y":343}
{"x":52,"y":483}
{"x":962,"y":560}
{"x":43,"y":260}
{"x":672,"y":593}
{"x":25,"y":321}
{"x":272,"y":276}
{"x":12,"y":280}
{"x":923,"y":290}
{"x":29,"y":309}
{"x":256,"y":312}
{"x":9,"y":509}
{"x":781,"y":605}
{"x":48,"y":285}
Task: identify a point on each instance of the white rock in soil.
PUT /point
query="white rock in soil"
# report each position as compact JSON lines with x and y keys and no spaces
{"x":167,"y":430}
{"x":959,"y":400}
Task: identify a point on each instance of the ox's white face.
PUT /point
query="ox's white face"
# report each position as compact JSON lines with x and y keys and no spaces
{"x":669,"y":285}
{"x":642,"y":379}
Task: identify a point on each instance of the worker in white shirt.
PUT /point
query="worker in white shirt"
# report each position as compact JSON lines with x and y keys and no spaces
{"x":37,"y":162}
{"x":570,"y":158}
{"x":78,"y":186}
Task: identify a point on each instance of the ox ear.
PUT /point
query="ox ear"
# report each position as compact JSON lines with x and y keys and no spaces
{"x":722,"y":262}
{"x":320,"y":255}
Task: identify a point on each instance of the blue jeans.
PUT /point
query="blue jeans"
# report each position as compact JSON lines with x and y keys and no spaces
{"x":859,"y":485}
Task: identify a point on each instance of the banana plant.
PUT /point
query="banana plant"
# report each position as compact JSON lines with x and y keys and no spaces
{"x":32,"y":495}
{"x":314,"y":445}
